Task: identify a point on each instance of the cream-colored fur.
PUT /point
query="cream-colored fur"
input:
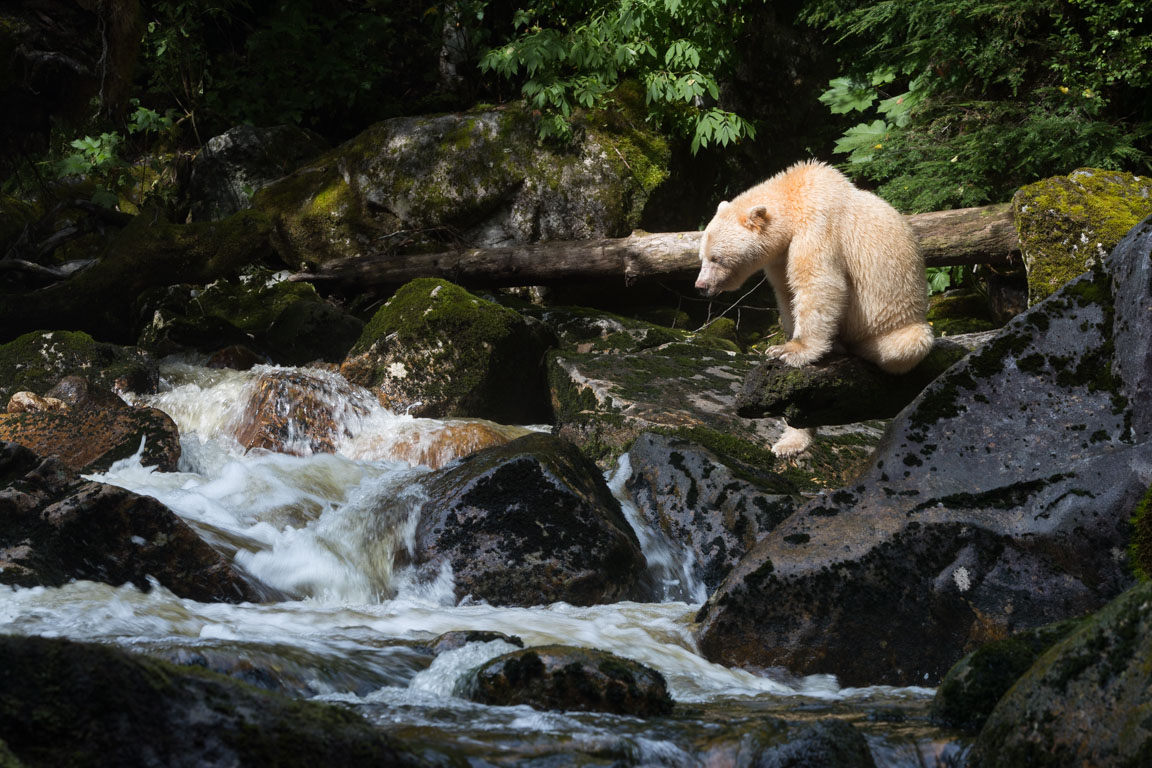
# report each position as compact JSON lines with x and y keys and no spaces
{"x":844,"y":264}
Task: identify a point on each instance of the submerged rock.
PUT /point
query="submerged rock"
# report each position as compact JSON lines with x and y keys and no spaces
{"x":1085,"y":701}
{"x":437,"y":350}
{"x":1069,"y":224}
{"x":56,"y":527}
{"x":65,"y":703}
{"x":478,"y":179}
{"x":528,"y":523}
{"x":715,"y":508}
{"x":998,"y":501}
{"x":565,"y":678}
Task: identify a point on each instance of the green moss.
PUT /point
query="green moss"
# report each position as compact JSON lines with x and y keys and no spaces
{"x":1067,"y":224}
{"x":253,"y":302}
{"x":36,"y":361}
{"x":1140,"y":547}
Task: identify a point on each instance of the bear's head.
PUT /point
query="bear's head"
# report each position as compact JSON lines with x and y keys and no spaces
{"x":736,"y":244}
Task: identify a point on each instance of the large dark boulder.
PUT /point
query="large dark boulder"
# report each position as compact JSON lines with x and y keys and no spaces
{"x":1085,"y":701}
{"x":527,"y":523}
{"x":569,"y":679}
{"x":77,"y":704}
{"x":36,"y":361}
{"x":998,"y":501}
{"x":56,"y":527}
{"x":713,"y":507}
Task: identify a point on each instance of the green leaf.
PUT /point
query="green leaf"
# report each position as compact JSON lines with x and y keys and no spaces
{"x":846,"y":95}
{"x":861,"y":141}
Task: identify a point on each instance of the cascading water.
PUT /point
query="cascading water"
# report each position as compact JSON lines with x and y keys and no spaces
{"x":323,"y":529}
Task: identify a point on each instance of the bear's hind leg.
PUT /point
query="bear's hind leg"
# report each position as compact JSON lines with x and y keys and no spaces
{"x":897,"y":351}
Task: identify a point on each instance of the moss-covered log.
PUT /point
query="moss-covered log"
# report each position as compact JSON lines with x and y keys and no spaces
{"x":984,"y":235}
{"x":842,"y":389}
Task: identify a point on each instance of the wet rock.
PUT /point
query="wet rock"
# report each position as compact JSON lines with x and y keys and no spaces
{"x":528,"y":523}
{"x":65,"y":703}
{"x":998,"y":501}
{"x":436,"y":350}
{"x":564,"y":678}
{"x":715,"y":508}
{"x":36,"y":361}
{"x":1085,"y":701}
{"x":687,"y":387}
{"x":89,"y":428}
{"x":56,"y":527}
{"x":828,"y":743}
{"x":450,"y":641}
{"x":478,"y":179}
{"x":1069,"y":224}
{"x":301,"y":412}
{"x":969,"y":692}
{"x":238,"y":357}
{"x":437,"y":444}
{"x":233,"y":166}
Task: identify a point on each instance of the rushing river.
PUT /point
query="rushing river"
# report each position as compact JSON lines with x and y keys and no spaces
{"x":345,"y":627}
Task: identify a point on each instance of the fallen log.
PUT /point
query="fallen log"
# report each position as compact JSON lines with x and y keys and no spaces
{"x":985,"y":235}
{"x":844,"y":389}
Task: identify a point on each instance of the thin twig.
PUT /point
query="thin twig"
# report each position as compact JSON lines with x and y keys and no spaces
{"x":731,"y":307}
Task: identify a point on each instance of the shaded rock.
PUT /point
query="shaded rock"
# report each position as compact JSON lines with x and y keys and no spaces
{"x":716,"y":508}
{"x":450,"y":641}
{"x":557,"y":677}
{"x":686,"y":387}
{"x":839,"y":389}
{"x":528,"y":523}
{"x":238,"y":357}
{"x":436,"y":350}
{"x":36,"y":361}
{"x":1085,"y":701}
{"x":231,"y":167}
{"x":478,"y":179}
{"x":65,"y":703}
{"x":145,"y":254}
{"x":828,"y":743}
{"x":307,"y":331}
{"x":962,"y":311}
{"x":56,"y":527}
{"x":969,"y":692}
{"x":998,"y":501}
{"x":1069,"y":224}
{"x":301,"y":412}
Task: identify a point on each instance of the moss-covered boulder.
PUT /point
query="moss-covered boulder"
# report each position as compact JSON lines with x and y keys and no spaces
{"x":1068,"y":224}
{"x":436,"y":350}
{"x":527,"y":523}
{"x":58,"y":527}
{"x":565,"y":678}
{"x":80,"y":704}
{"x":971,"y":689}
{"x":288,"y":321}
{"x":1085,"y":701}
{"x":481,"y":178}
{"x":36,"y":361}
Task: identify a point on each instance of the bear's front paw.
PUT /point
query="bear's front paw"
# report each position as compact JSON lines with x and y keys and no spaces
{"x":793,"y":442}
{"x":794,"y":353}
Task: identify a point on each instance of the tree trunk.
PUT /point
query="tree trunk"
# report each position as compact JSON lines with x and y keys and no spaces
{"x":984,"y":235}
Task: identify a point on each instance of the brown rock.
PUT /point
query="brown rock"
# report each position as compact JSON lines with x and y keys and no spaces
{"x":30,"y":402}
{"x":301,"y":412}
{"x":436,"y":446}
{"x":91,"y":439}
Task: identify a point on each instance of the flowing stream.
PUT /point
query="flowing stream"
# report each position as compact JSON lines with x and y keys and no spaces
{"x":347,"y":626}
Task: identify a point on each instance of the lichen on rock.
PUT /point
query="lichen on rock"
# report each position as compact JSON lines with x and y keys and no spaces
{"x":1068,"y":224}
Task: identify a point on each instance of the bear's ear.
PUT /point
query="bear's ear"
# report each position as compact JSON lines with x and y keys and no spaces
{"x":758,"y":217}
{"x":723,"y":204}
